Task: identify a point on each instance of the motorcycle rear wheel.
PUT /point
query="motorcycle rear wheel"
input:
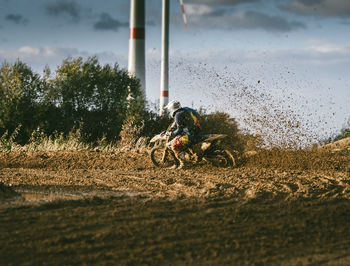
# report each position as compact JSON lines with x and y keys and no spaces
{"x":163,"y":158}
{"x":221,"y":158}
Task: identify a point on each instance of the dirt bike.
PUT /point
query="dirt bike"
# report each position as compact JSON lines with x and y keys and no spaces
{"x":209,"y":149}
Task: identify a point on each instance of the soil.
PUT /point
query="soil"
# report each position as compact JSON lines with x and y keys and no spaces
{"x":338,"y":145}
{"x":277,"y":207}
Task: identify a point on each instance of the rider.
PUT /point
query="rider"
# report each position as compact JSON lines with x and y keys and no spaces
{"x":186,"y":129}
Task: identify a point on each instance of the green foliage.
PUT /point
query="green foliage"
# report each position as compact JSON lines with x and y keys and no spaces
{"x":92,"y":96}
{"x":39,"y":141}
{"x":84,"y":102}
{"x":141,"y":122}
{"x":222,"y":123}
{"x":19,"y":98}
{"x":155,"y":124}
{"x":131,"y":131}
{"x":344,"y":133}
{"x":7,"y":142}
{"x":213,"y":123}
{"x":81,"y":95}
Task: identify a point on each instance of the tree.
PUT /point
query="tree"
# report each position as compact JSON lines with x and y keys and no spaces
{"x":222,"y":123}
{"x":92,"y":97}
{"x":19,"y":93}
{"x":82,"y":95}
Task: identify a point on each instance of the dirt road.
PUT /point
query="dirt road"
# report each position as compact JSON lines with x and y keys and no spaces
{"x":278,"y":207}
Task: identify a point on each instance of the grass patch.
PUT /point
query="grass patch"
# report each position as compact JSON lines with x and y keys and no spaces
{"x":40,"y":141}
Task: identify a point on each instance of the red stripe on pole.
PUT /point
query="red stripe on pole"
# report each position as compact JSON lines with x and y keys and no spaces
{"x":183,"y":13}
{"x":165,"y":93}
{"x":137,"y":33}
{"x":183,"y":9}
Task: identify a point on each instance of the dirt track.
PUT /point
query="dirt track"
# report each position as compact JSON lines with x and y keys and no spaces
{"x":277,"y":208}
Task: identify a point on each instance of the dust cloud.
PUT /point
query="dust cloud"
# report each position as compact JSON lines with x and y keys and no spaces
{"x":279,"y":111}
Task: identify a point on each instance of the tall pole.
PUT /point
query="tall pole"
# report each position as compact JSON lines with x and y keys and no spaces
{"x":183,"y":13}
{"x":164,"y":75}
{"x":136,"y":63}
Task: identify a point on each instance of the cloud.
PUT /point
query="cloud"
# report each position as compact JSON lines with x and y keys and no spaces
{"x":64,"y":7}
{"x":106,"y":22}
{"x":209,"y":17}
{"x":345,"y":22}
{"x":38,"y":53}
{"x":39,"y":57}
{"x":315,"y":53}
{"x":16,"y":18}
{"x":325,"y":8}
{"x":252,"y":19}
{"x":322,"y":48}
{"x":199,"y":10}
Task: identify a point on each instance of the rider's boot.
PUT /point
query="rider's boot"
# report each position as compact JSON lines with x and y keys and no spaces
{"x":197,"y":152}
{"x":181,"y":158}
{"x":181,"y":165}
{"x":180,"y":161}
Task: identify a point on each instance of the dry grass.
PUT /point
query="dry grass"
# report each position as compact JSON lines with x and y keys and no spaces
{"x":39,"y":141}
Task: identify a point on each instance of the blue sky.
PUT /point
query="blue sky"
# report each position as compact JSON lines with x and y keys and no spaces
{"x":243,"y":57}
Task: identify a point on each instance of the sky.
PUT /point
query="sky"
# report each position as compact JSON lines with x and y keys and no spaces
{"x":248,"y":58}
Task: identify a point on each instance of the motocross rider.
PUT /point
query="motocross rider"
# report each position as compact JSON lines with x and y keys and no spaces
{"x":185,"y":129}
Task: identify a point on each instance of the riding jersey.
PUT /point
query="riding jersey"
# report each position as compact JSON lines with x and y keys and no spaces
{"x":186,"y":122}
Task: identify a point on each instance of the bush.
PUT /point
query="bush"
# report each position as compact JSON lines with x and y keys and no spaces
{"x":8,"y":142}
{"x":222,"y":123}
{"x":214,"y":123}
{"x":93,"y":97}
{"x":81,"y":95}
{"x":20,"y":90}
{"x":344,"y":133}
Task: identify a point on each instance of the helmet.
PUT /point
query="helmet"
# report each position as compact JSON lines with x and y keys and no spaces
{"x":172,"y":107}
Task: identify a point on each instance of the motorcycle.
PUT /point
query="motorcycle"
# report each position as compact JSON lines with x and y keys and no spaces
{"x":210,"y":149}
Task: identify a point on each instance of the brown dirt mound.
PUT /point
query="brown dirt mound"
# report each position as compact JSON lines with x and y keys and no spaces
{"x":270,"y":173}
{"x":343,"y":144}
{"x":300,"y":160}
{"x":279,"y":208}
{"x":274,"y":158}
{"x":72,"y":160}
{"x":185,"y":232}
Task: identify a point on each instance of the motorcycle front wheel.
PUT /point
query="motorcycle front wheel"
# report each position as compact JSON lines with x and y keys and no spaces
{"x":163,"y":157}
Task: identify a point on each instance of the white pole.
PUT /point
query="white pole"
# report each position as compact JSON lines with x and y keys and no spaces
{"x":183,"y":13}
{"x":136,"y":63}
{"x":164,"y":75}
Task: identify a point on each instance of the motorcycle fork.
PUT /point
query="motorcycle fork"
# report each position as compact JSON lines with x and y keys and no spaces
{"x":164,"y":154}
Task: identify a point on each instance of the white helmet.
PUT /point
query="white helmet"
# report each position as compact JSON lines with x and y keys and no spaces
{"x":172,"y":107}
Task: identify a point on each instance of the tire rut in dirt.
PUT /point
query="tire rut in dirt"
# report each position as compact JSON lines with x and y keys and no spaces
{"x":222,"y":231}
